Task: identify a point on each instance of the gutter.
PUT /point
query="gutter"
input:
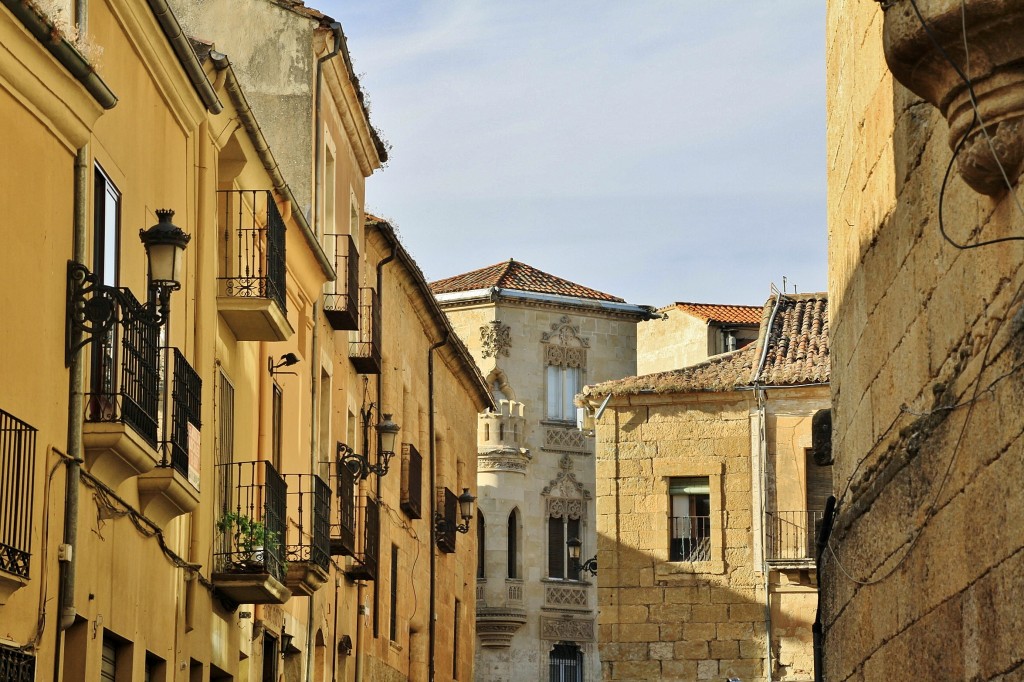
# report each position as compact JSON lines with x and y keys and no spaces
{"x":643,"y":311}
{"x":252,"y":126}
{"x":63,"y":51}
{"x":186,"y":55}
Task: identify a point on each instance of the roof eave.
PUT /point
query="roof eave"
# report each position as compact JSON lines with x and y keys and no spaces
{"x":474,"y":295}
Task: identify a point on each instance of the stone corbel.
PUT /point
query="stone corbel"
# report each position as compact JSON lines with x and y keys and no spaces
{"x":996,"y":50}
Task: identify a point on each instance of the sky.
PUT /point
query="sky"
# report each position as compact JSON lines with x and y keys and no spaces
{"x":655,"y":150}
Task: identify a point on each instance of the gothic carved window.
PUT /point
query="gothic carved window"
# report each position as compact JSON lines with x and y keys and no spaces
{"x":565,"y":358}
{"x":566,"y":505}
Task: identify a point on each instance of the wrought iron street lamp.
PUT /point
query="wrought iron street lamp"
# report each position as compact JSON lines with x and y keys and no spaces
{"x":443,"y":525}
{"x":359,"y":465}
{"x":575,"y":546}
{"x":93,"y":308}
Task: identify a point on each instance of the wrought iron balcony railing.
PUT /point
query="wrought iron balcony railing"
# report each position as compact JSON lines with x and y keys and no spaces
{"x":16,"y":665}
{"x":790,"y":535}
{"x":181,"y":447}
{"x":341,"y":297}
{"x":342,"y":511}
{"x":251,"y":522}
{"x":253,"y":246}
{"x":125,"y":376}
{"x":368,"y":559}
{"x":309,"y":513}
{"x":17,"y":466}
{"x":691,"y":538}
{"x":364,"y":350}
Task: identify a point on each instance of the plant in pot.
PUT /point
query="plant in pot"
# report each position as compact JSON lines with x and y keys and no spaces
{"x":250,"y":538}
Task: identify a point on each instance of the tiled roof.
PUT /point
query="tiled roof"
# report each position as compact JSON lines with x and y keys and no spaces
{"x":797,"y":353}
{"x":798,"y":345}
{"x":512,"y":274}
{"x":728,"y":314}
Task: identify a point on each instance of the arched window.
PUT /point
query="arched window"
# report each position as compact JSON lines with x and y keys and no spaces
{"x":560,"y":530}
{"x":513,"y":544}
{"x":481,"y":533}
{"x":566,"y":663}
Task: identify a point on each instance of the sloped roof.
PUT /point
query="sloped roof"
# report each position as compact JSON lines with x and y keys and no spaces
{"x":727,"y":314}
{"x":512,"y":274}
{"x":797,"y":344}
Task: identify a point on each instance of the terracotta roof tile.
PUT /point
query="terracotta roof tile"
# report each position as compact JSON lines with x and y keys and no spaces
{"x":797,"y":353}
{"x":512,"y":274}
{"x":728,"y":314}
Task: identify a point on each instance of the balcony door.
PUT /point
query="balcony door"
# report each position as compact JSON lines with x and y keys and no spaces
{"x":106,"y":268}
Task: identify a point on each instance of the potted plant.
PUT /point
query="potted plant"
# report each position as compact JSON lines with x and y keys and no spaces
{"x":250,"y":538}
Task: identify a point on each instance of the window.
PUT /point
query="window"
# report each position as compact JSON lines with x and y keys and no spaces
{"x":481,"y":534}
{"x":330,"y":182}
{"x":563,"y":384}
{"x":270,"y":656}
{"x":690,"y":519}
{"x":560,"y":529}
{"x":276,"y":426}
{"x":394,"y":594}
{"x":566,"y":663}
{"x":17,"y":665}
{"x":513,"y":544}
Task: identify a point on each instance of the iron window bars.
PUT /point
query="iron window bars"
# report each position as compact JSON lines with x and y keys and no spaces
{"x":253,"y":246}
{"x":309,"y":504}
{"x":17,"y":467}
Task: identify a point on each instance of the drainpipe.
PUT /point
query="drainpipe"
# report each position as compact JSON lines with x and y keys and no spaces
{"x":339,"y":38}
{"x":818,"y":630}
{"x":433,"y":504}
{"x":76,"y":417}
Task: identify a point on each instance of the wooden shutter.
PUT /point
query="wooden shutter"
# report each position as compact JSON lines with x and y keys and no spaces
{"x":412,"y":481}
{"x":448,"y":503}
{"x":556,"y":548}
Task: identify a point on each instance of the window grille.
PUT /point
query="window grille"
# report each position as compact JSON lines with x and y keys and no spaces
{"x":17,"y":467}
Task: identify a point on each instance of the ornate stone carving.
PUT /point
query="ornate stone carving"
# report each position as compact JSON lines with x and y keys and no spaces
{"x":496,"y":626}
{"x":571,"y":440}
{"x":563,"y":595}
{"x":567,"y":629}
{"x":996,"y":71}
{"x":515,"y":462}
{"x":565,"y":484}
{"x":565,"y":333}
{"x":566,"y":356}
{"x":557,"y":507}
{"x":495,"y":339}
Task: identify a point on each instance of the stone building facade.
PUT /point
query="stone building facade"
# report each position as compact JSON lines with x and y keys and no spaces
{"x":537,"y":339}
{"x":171,"y":501}
{"x":684,"y":334}
{"x":924,"y":567}
{"x":707,"y":500}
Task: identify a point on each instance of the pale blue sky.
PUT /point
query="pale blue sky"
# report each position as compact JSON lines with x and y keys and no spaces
{"x":655,"y":150}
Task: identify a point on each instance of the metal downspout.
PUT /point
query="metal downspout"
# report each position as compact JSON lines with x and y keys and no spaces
{"x":76,"y":417}
{"x":762,"y":439}
{"x":431,"y":616}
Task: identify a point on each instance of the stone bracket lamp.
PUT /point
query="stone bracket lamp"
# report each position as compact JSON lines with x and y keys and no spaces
{"x":967,"y":60}
{"x":93,"y":307}
{"x":443,"y":525}
{"x":359,"y":465}
{"x":575,"y":546}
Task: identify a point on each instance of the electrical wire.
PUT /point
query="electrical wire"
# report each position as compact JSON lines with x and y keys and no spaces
{"x":976,"y":120}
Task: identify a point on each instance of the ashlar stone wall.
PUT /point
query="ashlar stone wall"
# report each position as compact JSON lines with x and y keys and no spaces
{"x":677,"y":620}
{"x":927,"y":569}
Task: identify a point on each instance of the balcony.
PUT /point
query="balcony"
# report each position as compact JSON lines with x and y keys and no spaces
{"x":364,"y":349}
{"x":496,"y":625}
{"x":17,"y":468}
{"x":342,"y":514}
{"x":790,"y":536}
{"x":172,"y":488}
{"x":341,"y":297}
{"x":251,"y":291}
{"x":123,"y":403}
{"x":307,"y":541}
{"x":367,"y":560}
{"x":249,"y":556}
